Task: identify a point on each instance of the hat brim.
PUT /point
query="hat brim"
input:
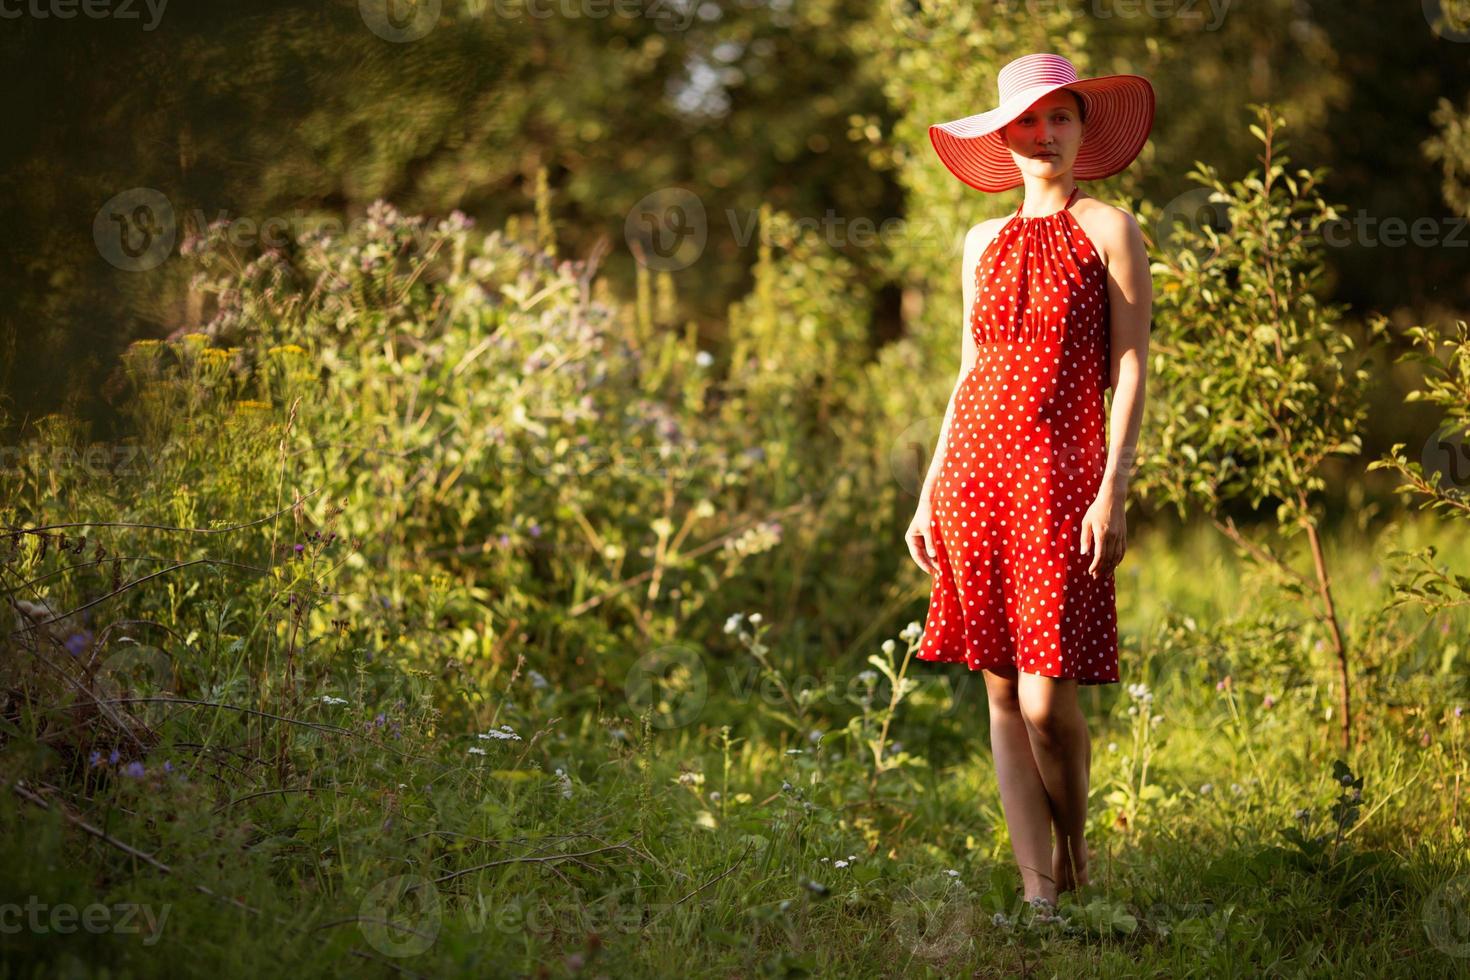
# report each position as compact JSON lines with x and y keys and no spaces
{"x":1120,"y":116}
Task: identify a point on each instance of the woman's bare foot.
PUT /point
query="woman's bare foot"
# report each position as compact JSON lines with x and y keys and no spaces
{"x":1071,"y":874}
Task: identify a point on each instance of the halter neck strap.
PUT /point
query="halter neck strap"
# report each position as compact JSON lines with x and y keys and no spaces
{"x":1070,"y":197}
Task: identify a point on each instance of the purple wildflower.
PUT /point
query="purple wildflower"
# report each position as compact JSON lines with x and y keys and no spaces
{"x":95,"y":759}
{"x":112,"y":757}
{"x":133,"y":769}
{"x":77,"y":642}
{"x":535,"y":530}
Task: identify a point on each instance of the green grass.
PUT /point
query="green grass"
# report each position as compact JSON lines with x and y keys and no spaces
{"x":668,"y":851}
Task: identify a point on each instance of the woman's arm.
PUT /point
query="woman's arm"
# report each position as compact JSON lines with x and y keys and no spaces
{"x":1130,"y":302}
{"x":1104,"y":529}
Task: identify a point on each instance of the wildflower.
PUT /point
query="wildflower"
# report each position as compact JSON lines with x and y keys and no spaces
{"x":1303,"y":814}
{"x":814,"y":736}
{"x":329,"y":699}
{"x":714,"y":796}
{"x":1237,"y":789}
{"x":1112,"y":746}
{"x":755,"y":618}
{"x":785,"y":786}
{"x":1205,"y":789}
{"x":112,"y":757}
{"x":999,"y":919}
{"x":1268,"y":702}
{"x":564,"y":782}
{"x":476,"y":750}
{"x":504,"y":734}
{"x":95,"y":759}
{"x":168,"y":766}
{"x":535,"y":529}
{"x":704,"y":358}
{"x":619,"y":734}
{"x":1156,"y":719}
{"x":868,"y":677}
{"x":1459,"y":711}
{"x":839,"y":864}
{"x":889,"y":646}
{"x":538,"y":681}
{"x":911,"y":632}
{"x":76,"y":644}
{"x":951,"y":872}
{"x":793,"y":752}
{"x":133,"y":769}
{"x":733,"y":622}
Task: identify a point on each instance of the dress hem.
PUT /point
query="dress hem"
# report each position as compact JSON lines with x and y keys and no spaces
{"x":976,"y":667}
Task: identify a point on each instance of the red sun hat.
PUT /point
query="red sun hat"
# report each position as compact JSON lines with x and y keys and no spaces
{"x":1120,"y":114}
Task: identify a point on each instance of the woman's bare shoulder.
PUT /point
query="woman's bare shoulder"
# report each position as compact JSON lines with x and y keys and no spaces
{"x":1110,"y":228}
{"x":980,"y":235}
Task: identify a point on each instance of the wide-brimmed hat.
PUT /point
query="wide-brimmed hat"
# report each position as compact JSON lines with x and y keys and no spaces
{"x":1119,"y":111}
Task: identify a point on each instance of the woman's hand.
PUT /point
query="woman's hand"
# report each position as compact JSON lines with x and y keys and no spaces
{"x":920,"y":538}
{"x":1105,"y":532}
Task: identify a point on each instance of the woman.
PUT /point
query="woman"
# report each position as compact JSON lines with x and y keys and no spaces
{"x":1021,"y":515}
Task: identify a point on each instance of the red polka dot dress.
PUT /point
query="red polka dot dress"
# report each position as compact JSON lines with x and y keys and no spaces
{"x":1024,"y":461}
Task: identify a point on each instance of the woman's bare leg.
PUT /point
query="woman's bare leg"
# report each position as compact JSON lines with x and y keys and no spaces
{"x":1023,"y":794}
{"x":1063,"y":754}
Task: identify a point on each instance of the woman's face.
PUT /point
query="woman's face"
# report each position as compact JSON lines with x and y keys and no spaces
{"x":1050,"y":125}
